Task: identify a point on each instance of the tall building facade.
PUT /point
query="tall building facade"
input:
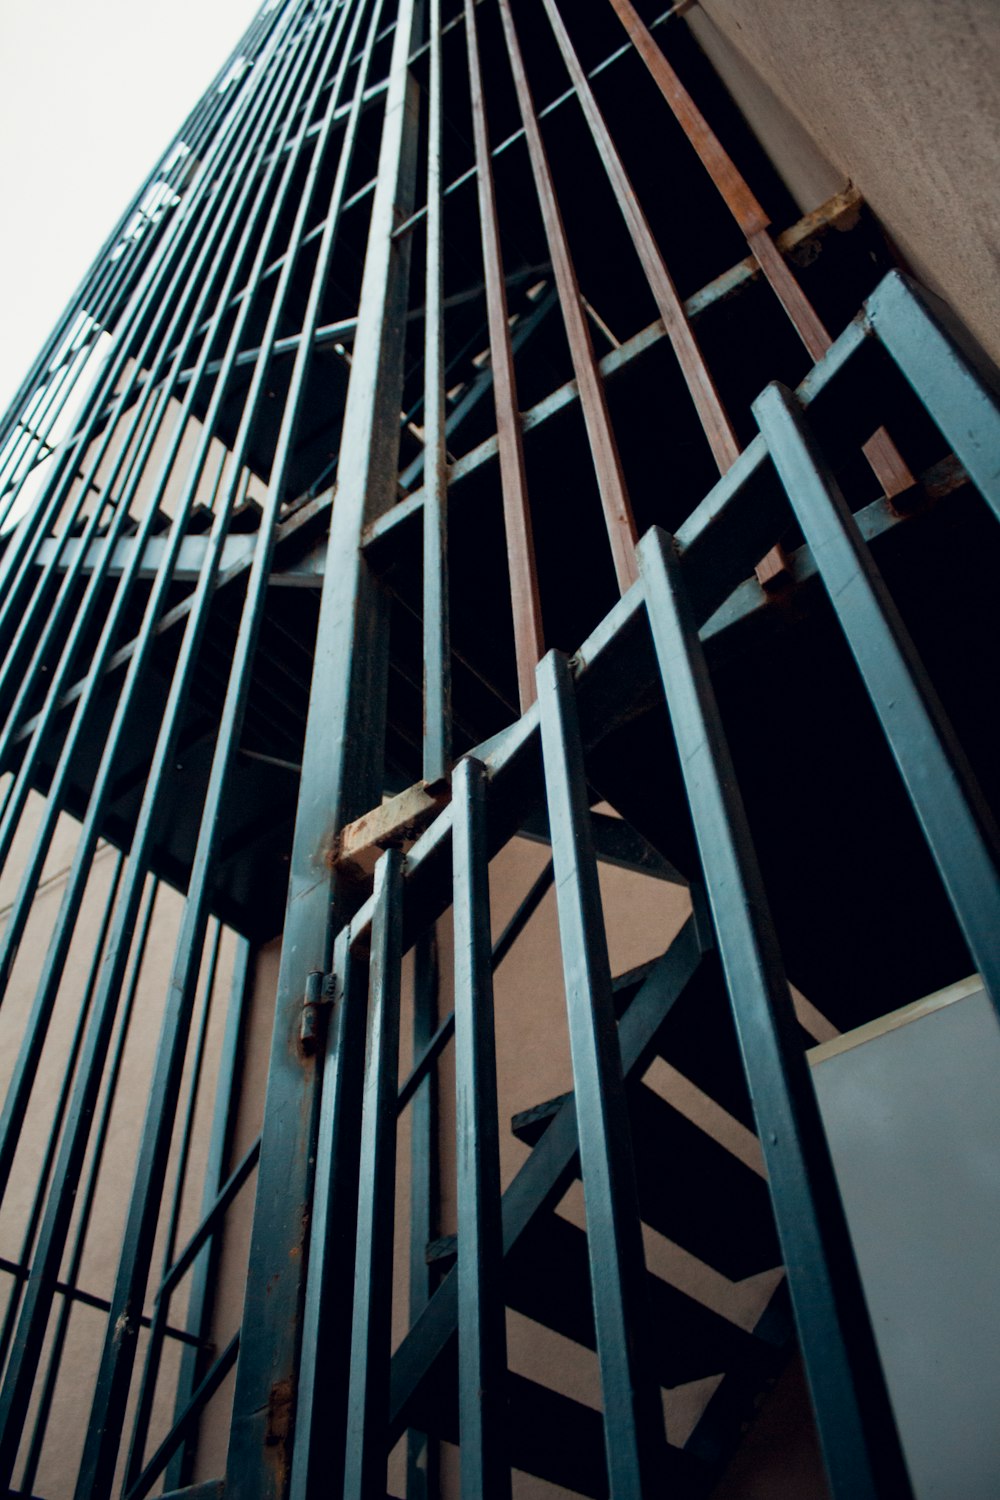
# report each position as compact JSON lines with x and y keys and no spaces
{"x":497,"y":592}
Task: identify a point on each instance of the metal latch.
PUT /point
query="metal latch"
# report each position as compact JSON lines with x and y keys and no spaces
{"x":318,"y":994}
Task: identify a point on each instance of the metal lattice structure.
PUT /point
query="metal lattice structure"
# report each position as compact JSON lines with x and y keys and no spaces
{"x":322,"y":584}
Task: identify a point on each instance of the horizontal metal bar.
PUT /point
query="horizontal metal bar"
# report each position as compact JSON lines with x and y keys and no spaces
{"x":89,"y":1299}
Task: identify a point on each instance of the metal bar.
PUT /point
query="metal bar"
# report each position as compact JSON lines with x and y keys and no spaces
{"x":38,"y":1199}
{"x":87,"y":1197}
{"x":442,"y":1036}
{"x":886,"y":461}
{"x":525,"y":601}
{"x":93,"y":681}
{"x":422,"y":1478}
{"x":111,"y":1393}
{"x":482,"y":1334}
{"x":154,"y":1346}
{"x":613,"y":363}
{"x":437,"y":643}
{"x":226,"y":1195}
{"x":958,"y":385}
{"x":21,"y":1272}
{"x":31,"y":1328}
{"x":956,"y":820}
{"x":201,"y":1296}
{"x":368,"y":1394}
{"x":174,"y":254}
{"x":324,"y":1368}
{"x":186,"y":1422}
{"x":341,"y":779}
{"x":856,"y":1428}
{"x":618,"y":517}
{"x":545,"y":1176}
{"x":633,"y":1416}
{"x":717,"y":426}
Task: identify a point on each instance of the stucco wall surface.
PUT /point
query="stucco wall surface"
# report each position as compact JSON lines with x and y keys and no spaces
{"x":899,"y":97}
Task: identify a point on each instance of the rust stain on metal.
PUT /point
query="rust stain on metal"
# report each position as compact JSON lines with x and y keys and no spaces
{"x":278,"y":1431}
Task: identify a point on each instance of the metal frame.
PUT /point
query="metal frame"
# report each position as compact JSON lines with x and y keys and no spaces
{"x":286,"y":298}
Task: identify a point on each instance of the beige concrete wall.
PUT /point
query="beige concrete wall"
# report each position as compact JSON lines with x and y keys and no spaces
{"x":898,"y":97}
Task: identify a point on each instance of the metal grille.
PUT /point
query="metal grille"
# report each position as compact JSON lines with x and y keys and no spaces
{"x":348,"y":438}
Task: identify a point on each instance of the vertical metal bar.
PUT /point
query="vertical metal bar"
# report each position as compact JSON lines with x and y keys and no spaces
{"x":421,"y":1452}
{"x":884,"y":457}
{"x":956,"y":820}
{"x":201,"y":1296}
{"x":324,"y":1368}
{"x":17,"y":1096}
{"x":618,"y":517}
{"x":436,"y":1043}
{"x":856,"y":1429}
{"x":31,"y":1328}
{"x":178,"y":245}
{"x":957,"y":383}
{"x":633,"y":1416}
{"x":41,"y":1182}
{"x":697,"y":376}
{"x":158,"y":1328}
{"x":111,"y":1391}
{"x":368,"y":1395}
{"x":482,"y":1332}
{"x":437,"y":643}
{"x":93,"y":594}
{"x":340,"y":780}
{"x":529,"y":638}
{"x":89,"y":1193}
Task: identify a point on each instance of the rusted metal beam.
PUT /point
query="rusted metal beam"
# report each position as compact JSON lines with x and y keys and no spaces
{"x":618,"y":515}
{"x":529,"y":638}
{"x":697,"y":377}
{"x":886,"y":461}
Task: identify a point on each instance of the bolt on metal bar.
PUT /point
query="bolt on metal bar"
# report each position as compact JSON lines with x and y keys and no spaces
{"x":526,"y":606}
{"x":620,"y":522}
{"x":955,"y":817}
{"x":855,"y":1423}
{"x":482,"y":1335}
{"x":633,"y":1416}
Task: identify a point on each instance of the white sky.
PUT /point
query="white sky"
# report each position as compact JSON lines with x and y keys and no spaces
{"x":91,"y":92}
